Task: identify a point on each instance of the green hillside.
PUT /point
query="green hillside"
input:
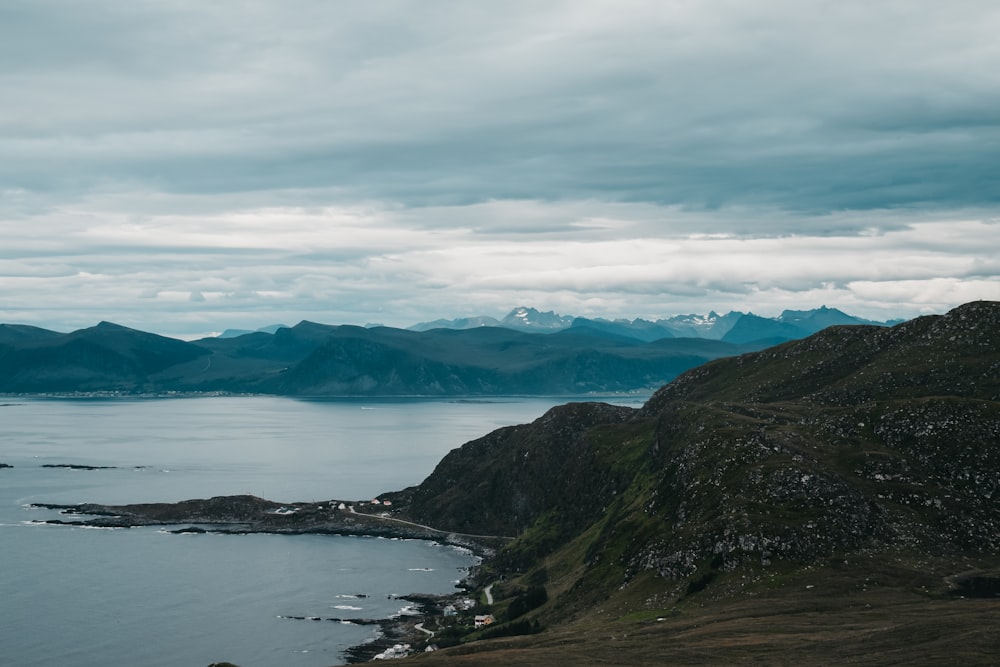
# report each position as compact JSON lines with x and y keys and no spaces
{"x":826,"y":500}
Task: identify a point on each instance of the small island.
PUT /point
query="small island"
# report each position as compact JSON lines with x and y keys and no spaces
{"x":77,"y":466}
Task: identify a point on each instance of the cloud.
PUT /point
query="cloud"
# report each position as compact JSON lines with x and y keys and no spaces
{"x":402,"y":160}
{"x":360,"y":264}
{"x":698,"y":105}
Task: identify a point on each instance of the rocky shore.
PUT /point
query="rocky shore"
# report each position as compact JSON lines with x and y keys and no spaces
{"x":250,"y":514}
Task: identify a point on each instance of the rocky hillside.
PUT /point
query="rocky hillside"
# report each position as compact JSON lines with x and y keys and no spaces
{"x":856,"y":442}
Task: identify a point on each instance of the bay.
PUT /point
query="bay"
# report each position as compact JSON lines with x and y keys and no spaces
{"x":92,"y":597}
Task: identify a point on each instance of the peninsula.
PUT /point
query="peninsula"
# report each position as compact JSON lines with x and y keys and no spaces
{"x":250,"y":514}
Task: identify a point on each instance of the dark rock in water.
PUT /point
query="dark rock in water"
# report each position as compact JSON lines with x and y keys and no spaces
{"x":60,"y":522}
{"x":190,"y":530}
{"x":4,"y":465}
{"x":75,"y":466}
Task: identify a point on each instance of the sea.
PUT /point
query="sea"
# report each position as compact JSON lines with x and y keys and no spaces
{"x":93,"y":597}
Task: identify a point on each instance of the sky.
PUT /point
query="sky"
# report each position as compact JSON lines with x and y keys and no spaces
{"x":188,"y":167}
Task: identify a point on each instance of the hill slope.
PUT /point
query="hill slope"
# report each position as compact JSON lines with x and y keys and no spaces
{"x":106,"y":357}
{"x":860,"y":454}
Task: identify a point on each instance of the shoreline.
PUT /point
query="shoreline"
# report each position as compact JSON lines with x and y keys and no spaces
{"x":401,"y":629}
{"x":245,"y":514}
{"x":240,"y":515}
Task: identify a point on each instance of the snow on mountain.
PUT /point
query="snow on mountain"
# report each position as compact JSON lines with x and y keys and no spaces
{"x":712,"y":326}
{"x":530,"y":319}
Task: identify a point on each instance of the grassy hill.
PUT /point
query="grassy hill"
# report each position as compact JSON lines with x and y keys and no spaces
{"x":830,"y":500}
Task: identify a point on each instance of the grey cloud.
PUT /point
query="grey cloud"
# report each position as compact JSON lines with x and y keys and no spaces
{"x":430,"y":150}
{"x":706,"y":107}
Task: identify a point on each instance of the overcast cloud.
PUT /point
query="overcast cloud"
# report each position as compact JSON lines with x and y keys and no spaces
{"x":184,"y":167}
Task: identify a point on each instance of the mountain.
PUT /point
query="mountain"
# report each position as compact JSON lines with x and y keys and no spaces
{"x":107,"y":357}
{"x":830,"y":500}
{"x":234,"y":333}
{"x":734,"y":326}
{"x":713,"y":325}
{"x":312,"y":359}
{"x":521,"y":318}
{"x":487,"y":361}
{"x":790,"y":325}
{"x":751,"y":327}
{"x":638,"y":329}
{"x":529,"y":319}
{"x":460,"y":323}
{"x":820,"y":318}
{"x":15,"y":333}
{"x":530,"y":352}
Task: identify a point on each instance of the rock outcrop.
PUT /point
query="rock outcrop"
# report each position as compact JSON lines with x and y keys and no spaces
{"x":856,"y":439}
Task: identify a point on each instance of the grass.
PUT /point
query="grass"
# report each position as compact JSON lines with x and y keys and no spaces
{"x":862,"y":612}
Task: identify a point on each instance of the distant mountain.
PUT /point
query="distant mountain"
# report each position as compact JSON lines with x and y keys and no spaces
{"x":487,"y":361}
{"x":713,"y":325}
{"x":529,"y":319}
{"x":460,"y":323}
{"x":750,"y":327}
{"x":319,"y":359}
{"x":107,"y":357}
{"x":21,"y":332}
{"x":820,"y":318}
{"x":636,"y":329}
{"x":521,"y":319}
{"x":528,"y":352}
{"x":780,"y":507}
{"x":234,"y":333}
{"x":790,"y":325}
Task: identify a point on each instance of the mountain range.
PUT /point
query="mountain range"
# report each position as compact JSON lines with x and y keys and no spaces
{"x":574,"y":356}
{"x":829,"y":500}
{"x":733,"y":327}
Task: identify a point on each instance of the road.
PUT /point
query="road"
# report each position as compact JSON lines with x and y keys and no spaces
{"x":430,"y":528}
{"x":489,"y":594}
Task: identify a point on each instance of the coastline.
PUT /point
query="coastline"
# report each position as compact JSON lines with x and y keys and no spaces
{"x":246,"y":514}
{"x":250,"y":514}
{"x":401,"y":629}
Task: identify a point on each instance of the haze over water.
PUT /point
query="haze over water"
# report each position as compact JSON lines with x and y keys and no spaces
{"x":92,"y":597}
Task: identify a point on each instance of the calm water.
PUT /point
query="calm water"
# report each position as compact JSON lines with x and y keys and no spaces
{"x":90,"y":597}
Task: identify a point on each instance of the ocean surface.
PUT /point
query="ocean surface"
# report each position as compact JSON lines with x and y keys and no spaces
{"x":142,"y":596}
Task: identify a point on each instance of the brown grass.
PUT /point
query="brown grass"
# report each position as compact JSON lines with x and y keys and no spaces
{"x":858,"y":615}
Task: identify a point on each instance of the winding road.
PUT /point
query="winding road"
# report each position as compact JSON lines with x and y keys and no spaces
{"x":424,"y":527}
